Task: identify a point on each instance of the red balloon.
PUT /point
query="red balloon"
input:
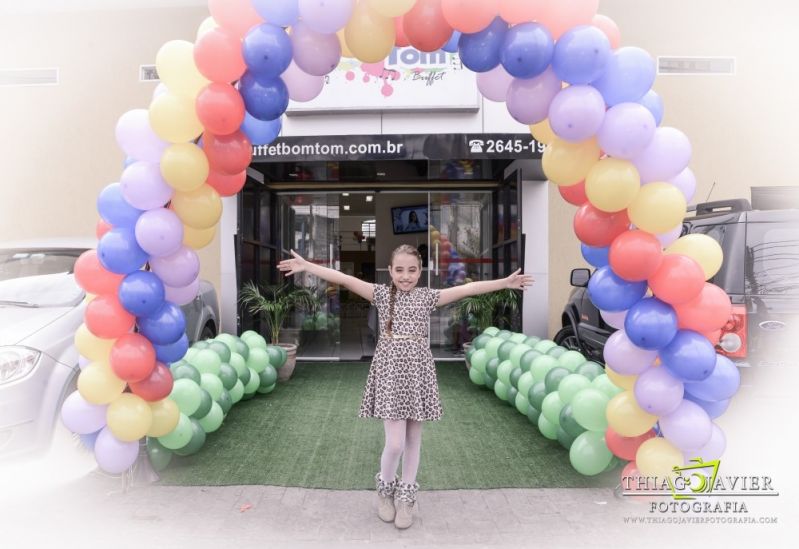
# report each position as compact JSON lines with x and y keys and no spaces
{"x":401,"y":41}
{"x":708,"y":311}
{"x":156,"y":386}
{"x":629,"y":478}
{"x":93,"y":277}
{"x":218,"y":56}
{"x":220,"y":108}
{"x":106,"y":318}
{"x":635,"y":256}
{"x":574,"y":194}
{"x":714,"y":337}
{"x":102,"y":227}
{"x":425,"y":26}
{"x":678,"y":279}
{"x":625,"y":447}
{"x":238,"y":16}
{"x":132,"y":357}
{"x":227,"y":185}
{"x":469,"y":16}
{"x":228,"y":154}
{"x":597,"y":228}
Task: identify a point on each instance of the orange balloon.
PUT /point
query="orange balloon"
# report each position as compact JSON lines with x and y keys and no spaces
{"x":562,"y":15}
{"x":425,"y":26}
{"x":521,"y":11}
{"x":469,"y":16}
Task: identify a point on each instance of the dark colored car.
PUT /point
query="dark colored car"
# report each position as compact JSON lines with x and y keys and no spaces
{"x":760,"y":273}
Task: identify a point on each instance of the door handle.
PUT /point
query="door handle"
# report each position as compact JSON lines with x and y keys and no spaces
{"x":436,"y":258}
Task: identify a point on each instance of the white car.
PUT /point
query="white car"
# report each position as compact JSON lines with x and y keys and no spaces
{"x":41,"y":307}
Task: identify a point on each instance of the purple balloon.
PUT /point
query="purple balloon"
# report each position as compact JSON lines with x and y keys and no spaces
{"x":668,"y":238}
{"x":301,"y":85}
{"x":665,"y":157}
{"x":626,"y":130}
{"x":686,"y":182}
{"x":315,"y":53}
{"x":722,"y":384}
{"x":159,"y":232}
{"x":528,"y":99}
{"x":629,"y":73}
{"x":614,"y":318}
{"x":581,"y":54}
{"x":658,"y":392}
{"x":624,"y":357}
{"x":136,"y":137}
{"x":82,"y":417}
{"x":278,"y":12}
{"x":83,"y":362}
{"x":713,"y":409}
{"x":326,"y":16}
{"x":178,"y":269}
{"x":713,"y":448}
{"x":144,"y":187}
{"x":576,"y":113}
{"x":687,"y":427}
{"x":184,"y":294}
{"x":112,"y":455}
{"x":689,"y":356}
{"x":494,"y":84}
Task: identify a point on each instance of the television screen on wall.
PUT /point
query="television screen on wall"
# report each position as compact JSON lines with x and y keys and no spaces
{"x":409,"y":219}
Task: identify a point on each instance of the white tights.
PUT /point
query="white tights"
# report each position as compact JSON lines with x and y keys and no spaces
{"x":403,"y":439}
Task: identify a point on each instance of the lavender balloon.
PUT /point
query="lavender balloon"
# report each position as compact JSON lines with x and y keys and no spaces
{"x":722,"y":384}
{"x":668,"y":238}
{"x":159,"y":232}
{"x":326,"y":16}
{"x":178,"y":269}
{"x":626,"y":130}
{"x":629,"y":73}
{"x":581,"y":54}
{"x":614,"y":318}
{"x":136,"y":137}
{"x":528,"y":99}
{"x":665,"y":157}
{"x":576,"y":113}
{"x":687,"y":427}
{"x":494,"y":84}
{"x":82,"y":417}
{"x":144,"y":187}
{"x":112,"y":455}
{"x":83,"y":362}
{"x":713,"y":448}
{"x":686,"y":182}
{"x":713,"y":409}
{"x":283,"y":13}
{"x":301,"y":85}
{"x":624,"y":357}
{"x":658,"y":392}
{"x":315,"y":53}
{"x":184,"y":294}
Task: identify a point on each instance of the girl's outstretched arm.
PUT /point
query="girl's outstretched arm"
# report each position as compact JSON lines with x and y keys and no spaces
{"x":297,"y":265}
{"x":514,"y":281}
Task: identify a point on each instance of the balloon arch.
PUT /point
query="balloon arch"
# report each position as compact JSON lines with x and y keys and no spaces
{"x":559,"y":68}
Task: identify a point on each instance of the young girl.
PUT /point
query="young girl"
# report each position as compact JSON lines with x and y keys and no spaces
{"x":401,"y":388}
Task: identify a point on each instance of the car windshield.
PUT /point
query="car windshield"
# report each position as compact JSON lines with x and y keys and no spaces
{"x":39,"y":278}
{"x":772,"y":258}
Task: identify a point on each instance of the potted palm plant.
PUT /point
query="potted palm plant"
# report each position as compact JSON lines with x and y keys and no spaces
{"x":274,"y":303}
{"x":484,"y":310}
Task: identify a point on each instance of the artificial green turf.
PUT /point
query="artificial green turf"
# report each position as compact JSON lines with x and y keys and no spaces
{"x":306,"y":433}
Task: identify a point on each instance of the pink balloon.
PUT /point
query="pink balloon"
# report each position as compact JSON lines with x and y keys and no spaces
{"x":184,"y":294}
{"x":528,"y":99}
{"x":137,"y":139}
{"x":326,"y":16}
{"x":301,"y":85}
{"x":494,"y":84}
{"x":665,"y":157}
{"x":614,"y":318}
{"x":112,"y":455}
{"x":686,"y":182}
{"x":314,"y":53}
{"x":624,"y":357}
{"x":82,"y":417}
{"x":179,"y":269}
{"x":144,"y":187}
{"x":609,"y":27}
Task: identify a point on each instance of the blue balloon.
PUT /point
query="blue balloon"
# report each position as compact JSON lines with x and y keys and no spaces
{"x":629,"y":73}
{"x":165,"y":326}
{"x":581,"y":54}
{"x":283,"y":13}
{"x":128,"y":161}
{"x":527,"y":50}
{"x":452,"y":45}
{"x":480,"y":51}
{"x":119,"y":252}
{"x":267,"y":50}
{"x":172,"y":352}
{"x":88,"y":440}
{"x":654,"y":104}
{"x":689,"y":356}
{"x":141,"y":293}
{"x":264,"y":98}
{"x":598,"y":257}
{"x":713,"y":409}
{"x":114,"y":209}
{"x":722,"y":384}
{"x":651,"y":324}
{"x":261,"y":132}
{"x":611,"y":293}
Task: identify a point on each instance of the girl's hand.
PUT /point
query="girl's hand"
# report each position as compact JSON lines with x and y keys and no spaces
{"x":295,"y":265}
{"x":518,"y":281}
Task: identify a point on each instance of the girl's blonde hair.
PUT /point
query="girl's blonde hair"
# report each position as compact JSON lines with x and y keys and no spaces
{"x":404,"y":249}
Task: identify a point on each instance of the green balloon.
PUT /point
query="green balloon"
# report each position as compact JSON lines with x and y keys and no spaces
{"x":237,"y":391}
{"x":544,"y":346}
{"x":190,"y":354}
{"x":517,"y":352}
{"x":491,"y":331}
{"x":527,"y":359}
{"x":200,"y":345}
{"x":284,"y":355}
{"x":490,"y":381}
{"x":221,"y":349}
{"x":225,"y":402}
{"x":187,"y":395}
{"x":185,"y":371}
{"x":470,"y":353}
{"x":518,"y":338}
{"x":242,"y":348}
{"x":244,"y":377}
{"x":205,"y":405}
{"x":554,"y":377}
{"x":590,"y":370}
{"x":212,"y":384}
{"x":267,"y":377}
{"x":571,"y":385}
{"x":177,"y":363}
{"x":504,"y":371}
{"x":266,"y":390}
{"x":504,"y":334}
{"x":492,"y":347}
{"x":213,"y":419}
{"x":567,"y":422}
{"x":556,"y":351}
{"x":531,"y":341}
{"x":541,"y":366}
{"x":476,"y":376}
{"x":537,"y":394}
{"x":228,"y":375}
{"x":589,"y":454}
{"x":604,"y":384}
{"x":248,"y":334}
{"x":207,"y":362}
{"x":533,"y":415}
{"x":571,"y":360}
{"x":258,"y":360}
{"x":252,"y":385}
{"x":179,"y":436}
{"x":229,"y":340}
{"x":547,"y":428}
{"x":159,"y":455}
{"x":274,"y":356}
{"x":588,"y":407}
{"x":492,"y":366}
{"x":196,"y":442}
{"x":614,"y":462}
{"x":238,"y":363}
{"x":256,"y":341}
{"x":521,"y":403}
{"x":525,"y":382}
{"x":564,"y":438}
{"x":501,"y":390}
{"x":512,"y":392}
{"x":308,"y":324}
{"x":504,"y":350}
{"x":551,"y":407}
{"x":479,"y":360}
{"x":480,"y":341}
{"x":514,"y":377}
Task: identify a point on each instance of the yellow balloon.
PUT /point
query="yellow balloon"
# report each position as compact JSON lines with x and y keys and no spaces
{"x":391,"y":8}
{"x":626,"y":417}
{"x":620,"y":381}
{"x":369,"y":35}
{"x":165,"y":417}
{"x":198,"y":238}
{"x":174,"y":119}
{"x":89,"y":298}
{"x":657,"y":457}
{"x":612,"y":184}
{"x":98,"y":384}
{"x":177,"y":70}
{"x":657,"y":208}
{"x":543,"y":132}
{"x":701,"y":248}
{"x":184,"y":166}
{"x":200,"y":208}
{"x":345,"y":49}
{"x":94,"y":348}
{"x":208,"y":24}
{"x":129,"y":417}
{"x":568,"y":163}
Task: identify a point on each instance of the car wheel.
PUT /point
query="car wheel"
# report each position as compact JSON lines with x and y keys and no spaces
{"x":568,"y":339}
{"x":208,"y":332}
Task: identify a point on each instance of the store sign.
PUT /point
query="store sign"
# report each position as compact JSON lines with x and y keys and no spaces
{"x":408,"y":80}
{"x":398,"y":147}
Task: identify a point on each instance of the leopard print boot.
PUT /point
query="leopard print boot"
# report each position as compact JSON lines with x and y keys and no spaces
{"x":385,"y":498}
{"x":405,"y":502}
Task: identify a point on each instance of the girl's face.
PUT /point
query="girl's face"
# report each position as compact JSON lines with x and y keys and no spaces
{"x":405,"y":271}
